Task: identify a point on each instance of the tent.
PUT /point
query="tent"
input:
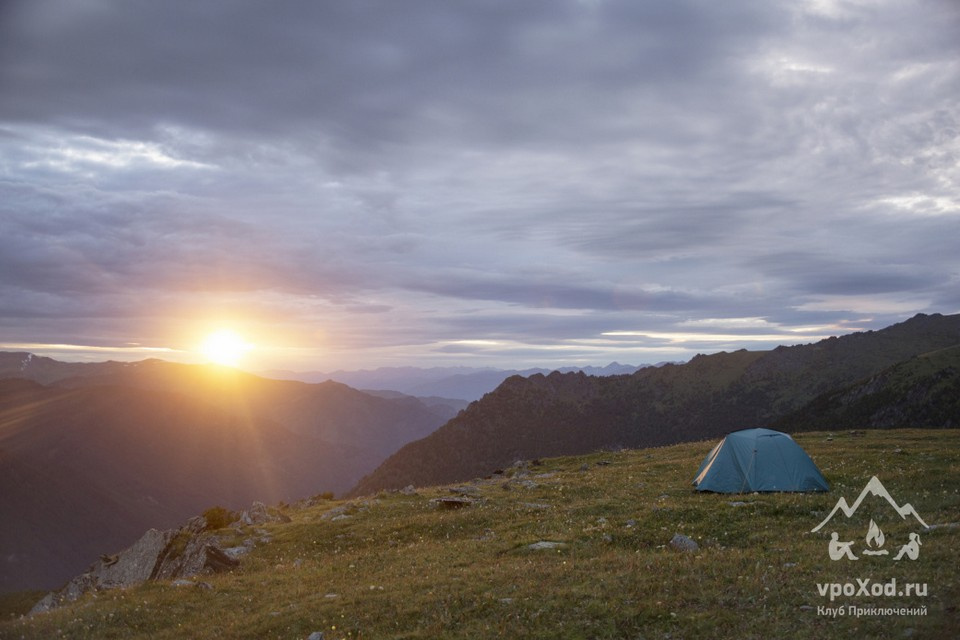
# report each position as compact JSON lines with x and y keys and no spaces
{"x":758,"y":460}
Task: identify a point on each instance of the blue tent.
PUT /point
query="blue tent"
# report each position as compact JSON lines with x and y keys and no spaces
{"x":758,"y":460}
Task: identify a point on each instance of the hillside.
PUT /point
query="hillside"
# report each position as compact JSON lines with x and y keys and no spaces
{"x":84,"y":471}
{"x":374,"y":427}
{"x":576,"y":547}
{"x":564,"y":414}
{"x":923,"y":391}
{"x":114,"y":448}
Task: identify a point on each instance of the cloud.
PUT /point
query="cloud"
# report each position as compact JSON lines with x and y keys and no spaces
{"x":386,"y":180}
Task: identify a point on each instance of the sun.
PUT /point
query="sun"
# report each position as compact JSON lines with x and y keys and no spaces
{"x":225,"y":347}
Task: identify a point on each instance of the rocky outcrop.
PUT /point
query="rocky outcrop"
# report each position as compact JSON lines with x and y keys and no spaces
{"x":173,"y":554}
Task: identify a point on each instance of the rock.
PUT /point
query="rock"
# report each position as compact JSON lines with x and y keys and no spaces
{"x":337,"y":511}
{"x":316,"y":635}
{"x":199,"y":555}
{"x":681,"y":542}
{"x":547,"y":544}
{"x":237,"y":552}
{"x":409,"y":490}
{"x":47,"y":603}
{"x":539,"y":506}
{"x":173,"y":555}
{"x":452,"y":503}
{"x":260,"y":513}
{"x":196,"y":525}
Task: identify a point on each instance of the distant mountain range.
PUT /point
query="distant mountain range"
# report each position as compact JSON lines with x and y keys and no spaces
{"x":907,"y":375}
{"x":460,"y":383}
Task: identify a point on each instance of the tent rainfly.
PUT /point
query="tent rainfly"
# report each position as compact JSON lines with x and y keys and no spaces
{"x":758,"y":460}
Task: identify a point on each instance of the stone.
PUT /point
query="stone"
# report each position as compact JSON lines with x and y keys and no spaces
{"x":681,"y":542}
{"x":544,"y":545}
{"x":174,"y":554}
{"x":539,"y":506}
{"x":260,"y":513}
{"x":47,"y":603}
{"x":453,"y":503}
{"x":200,"y":555}
{"x":316,"y":635}
{"x":409,"y":490}
{"x":136,"y":564}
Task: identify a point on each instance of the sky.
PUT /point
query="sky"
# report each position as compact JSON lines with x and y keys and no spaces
{"x":508,"y":183}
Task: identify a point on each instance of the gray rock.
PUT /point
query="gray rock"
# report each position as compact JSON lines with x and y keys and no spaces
{"x":158,"y":555}
{"x":546,"y":545}
{"x":135,"y":564}
{"x":200,"y":555}
{"x":260,"y":513}
{"x":681,"y":542}
{"x":48,"y":602}
{"x":237,"y":552}
{"x":316,"y":635}
{"x":539,"y":506}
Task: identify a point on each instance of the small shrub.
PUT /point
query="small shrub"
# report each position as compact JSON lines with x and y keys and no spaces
{"x":219,"y":517}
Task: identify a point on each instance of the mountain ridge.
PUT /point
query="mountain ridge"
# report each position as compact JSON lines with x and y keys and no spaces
{"x":566,"y":414}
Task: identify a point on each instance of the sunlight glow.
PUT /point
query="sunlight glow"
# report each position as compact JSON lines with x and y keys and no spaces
{"x":225,"y":347}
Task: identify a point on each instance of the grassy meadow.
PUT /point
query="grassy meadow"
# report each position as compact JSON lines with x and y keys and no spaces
{"x":405,"y":566}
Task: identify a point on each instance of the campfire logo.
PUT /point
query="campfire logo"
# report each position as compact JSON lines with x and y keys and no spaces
{"x":875,"y":538}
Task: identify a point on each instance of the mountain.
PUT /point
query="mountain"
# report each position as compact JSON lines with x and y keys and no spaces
{"x":923,"y":391}
{"x":110,"y":449}
{"x":373,"y":427}
{"x":106,"y":463}
{"x":462,"y":383}
{"x":564,"y":414}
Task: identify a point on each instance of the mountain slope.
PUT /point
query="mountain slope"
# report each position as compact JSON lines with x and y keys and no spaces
{"x":87,"y":470}
{"x":707,"y":397}
{"x":374,"y":427}
{"x":571,"y":548}
{"x":923,"y":391}
{"x":116,"y":448}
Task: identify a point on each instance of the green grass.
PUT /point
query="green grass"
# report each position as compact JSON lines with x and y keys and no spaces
{"x":402,"y":567}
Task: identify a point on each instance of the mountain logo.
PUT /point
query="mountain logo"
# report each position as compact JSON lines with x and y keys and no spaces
{"x":875,"y":538}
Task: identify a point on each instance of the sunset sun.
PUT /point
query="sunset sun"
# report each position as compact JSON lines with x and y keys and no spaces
{"x":225,"y":347}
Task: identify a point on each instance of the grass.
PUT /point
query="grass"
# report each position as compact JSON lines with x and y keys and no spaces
{"x":401,"y":566}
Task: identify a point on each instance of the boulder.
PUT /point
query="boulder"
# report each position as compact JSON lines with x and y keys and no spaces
{"x":166,"y":555}
{"x":260,"y":513}
{"x":681,"y":542}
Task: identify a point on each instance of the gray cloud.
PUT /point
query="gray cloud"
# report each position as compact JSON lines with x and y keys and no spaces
{"x":398,"y":177}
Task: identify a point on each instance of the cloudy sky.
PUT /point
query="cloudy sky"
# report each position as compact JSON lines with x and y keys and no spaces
{"x":501,"y":182}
